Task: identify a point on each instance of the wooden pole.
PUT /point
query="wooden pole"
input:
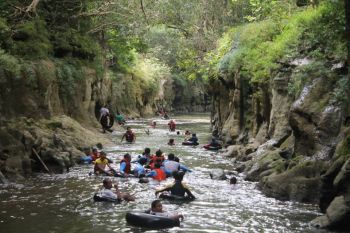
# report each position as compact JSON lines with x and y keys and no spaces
{"x":3,"y":179}
{"x":41,"y":161}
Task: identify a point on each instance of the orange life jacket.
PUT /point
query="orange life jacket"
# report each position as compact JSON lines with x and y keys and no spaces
{"x":154,"y":160}
{"x":160,"y":174}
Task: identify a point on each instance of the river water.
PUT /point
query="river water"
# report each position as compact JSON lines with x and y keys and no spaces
{"x":63,"y":203}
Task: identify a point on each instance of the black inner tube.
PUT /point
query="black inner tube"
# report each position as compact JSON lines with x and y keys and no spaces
{"x":146,"y":220}
{"x":107,"y":121}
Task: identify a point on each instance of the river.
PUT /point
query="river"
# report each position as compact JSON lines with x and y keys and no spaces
{"x":63,"y":203}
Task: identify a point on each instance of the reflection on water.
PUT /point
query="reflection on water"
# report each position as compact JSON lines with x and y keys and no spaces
{"x":63,"y":203}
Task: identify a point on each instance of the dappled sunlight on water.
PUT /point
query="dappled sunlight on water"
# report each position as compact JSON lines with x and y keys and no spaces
{"x":63,"y":203}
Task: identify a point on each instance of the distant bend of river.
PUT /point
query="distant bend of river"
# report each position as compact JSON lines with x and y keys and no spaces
{"x":63,"y":203}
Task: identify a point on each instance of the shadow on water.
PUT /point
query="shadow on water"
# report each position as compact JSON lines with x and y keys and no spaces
{"x":63,"y":203}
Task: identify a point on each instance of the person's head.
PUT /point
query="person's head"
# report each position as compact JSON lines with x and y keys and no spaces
{"x":99,"y":146}
{"x":233,"y":180}
{"x":178,"y":132}
{"x":177,"y":159}
{"x":142,"y":161}
{"x":127,"y":157}
{"x":128,"y":128}
{"x":157,"y":206}
{"x":178,"y":175}
{"x":171,"y":156}
{"x":187,"y":132}
{"x":159,"y":153}
{"x":107,"y":183}
{"x":94,"y":151}
{"x":147,"y":150}
{"x":194,"y":135}
{"x":157,"y":164}
{"x":103,"y":155}
{"x":171,"y":141}
{"x":87,"y":150}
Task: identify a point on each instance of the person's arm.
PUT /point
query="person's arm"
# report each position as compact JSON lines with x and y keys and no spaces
{"x":190,"y":195}
{"x":123,"y":137}
{"x":166,"y":188}
{"x":100,"y":168}
{"x":184,"y":168}
{"x":122,"y":168}
{"x":134,"y":138}
{"x":151,"y":174}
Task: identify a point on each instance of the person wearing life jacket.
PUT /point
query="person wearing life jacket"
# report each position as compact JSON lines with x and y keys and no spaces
{"x":170,"y":165}
{"x":172,"y":125}
{"x":159,"y":156}
{"x":129,"y":135}
{"x":125,"y":165}
{"x":157,"y":173}
{"x":177,"y":188}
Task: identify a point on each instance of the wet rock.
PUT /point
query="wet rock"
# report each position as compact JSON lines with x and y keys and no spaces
{"x":314,"y":121}
{"x":342,"y":180}
{"x":260,"y":164}
{"x":337,"y":215}
{"x":300,"y":183}
{"x":218,"y":174}
{"x":328,"y":190}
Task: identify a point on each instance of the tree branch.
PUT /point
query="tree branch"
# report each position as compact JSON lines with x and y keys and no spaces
{"x":143,"y":10}
{"x":185,"y":32}
{"x":32,"y":7}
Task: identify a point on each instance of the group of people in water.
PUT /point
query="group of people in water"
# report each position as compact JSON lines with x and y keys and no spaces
{"x":155,"y":166}
{"x":146,"y":166}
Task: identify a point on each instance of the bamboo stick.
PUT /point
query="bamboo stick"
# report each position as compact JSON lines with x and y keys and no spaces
{"x":41,"y":161}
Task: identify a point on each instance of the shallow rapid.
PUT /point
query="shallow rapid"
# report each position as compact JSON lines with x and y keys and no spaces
{"x":63,"y":203}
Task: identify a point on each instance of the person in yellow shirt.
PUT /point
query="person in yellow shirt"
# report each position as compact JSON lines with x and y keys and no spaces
{"x":101,"y":164}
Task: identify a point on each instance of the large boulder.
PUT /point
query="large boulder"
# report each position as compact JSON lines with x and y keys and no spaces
{"x":337,"y":215}
{"x":315,"y":121}
{"x":301,"y":182}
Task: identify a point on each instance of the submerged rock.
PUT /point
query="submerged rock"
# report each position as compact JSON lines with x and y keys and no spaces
{"x":218,"y":174}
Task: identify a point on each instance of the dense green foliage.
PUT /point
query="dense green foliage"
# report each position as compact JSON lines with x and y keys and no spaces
{"x":189,"y":40}
{"x":261,"y":49}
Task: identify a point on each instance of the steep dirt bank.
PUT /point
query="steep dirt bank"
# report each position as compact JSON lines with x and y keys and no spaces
{"x":58,"y":141}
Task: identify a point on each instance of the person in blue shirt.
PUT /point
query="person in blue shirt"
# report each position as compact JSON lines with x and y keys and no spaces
{"x":194,"y":139}
{"x":139,"y":170}
{"x":125,"y":165}
{"x":170,"y":165}
{"x":182,"y":167}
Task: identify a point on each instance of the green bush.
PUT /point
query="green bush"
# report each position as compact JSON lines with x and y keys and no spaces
{"x":258,"y":49}
{"x":31,"y":39}
{"x":9,"y":66}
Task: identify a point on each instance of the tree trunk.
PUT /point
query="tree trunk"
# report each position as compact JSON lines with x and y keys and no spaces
{"x":347,"y":29}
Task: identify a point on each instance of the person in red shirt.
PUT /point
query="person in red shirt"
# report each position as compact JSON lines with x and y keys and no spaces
{"x":172,"y":125}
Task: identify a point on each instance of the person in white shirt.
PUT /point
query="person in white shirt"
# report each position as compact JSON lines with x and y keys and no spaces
{"x":104,"y":118}
{"x":117,"y":195}
{"x":157,"y":209}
